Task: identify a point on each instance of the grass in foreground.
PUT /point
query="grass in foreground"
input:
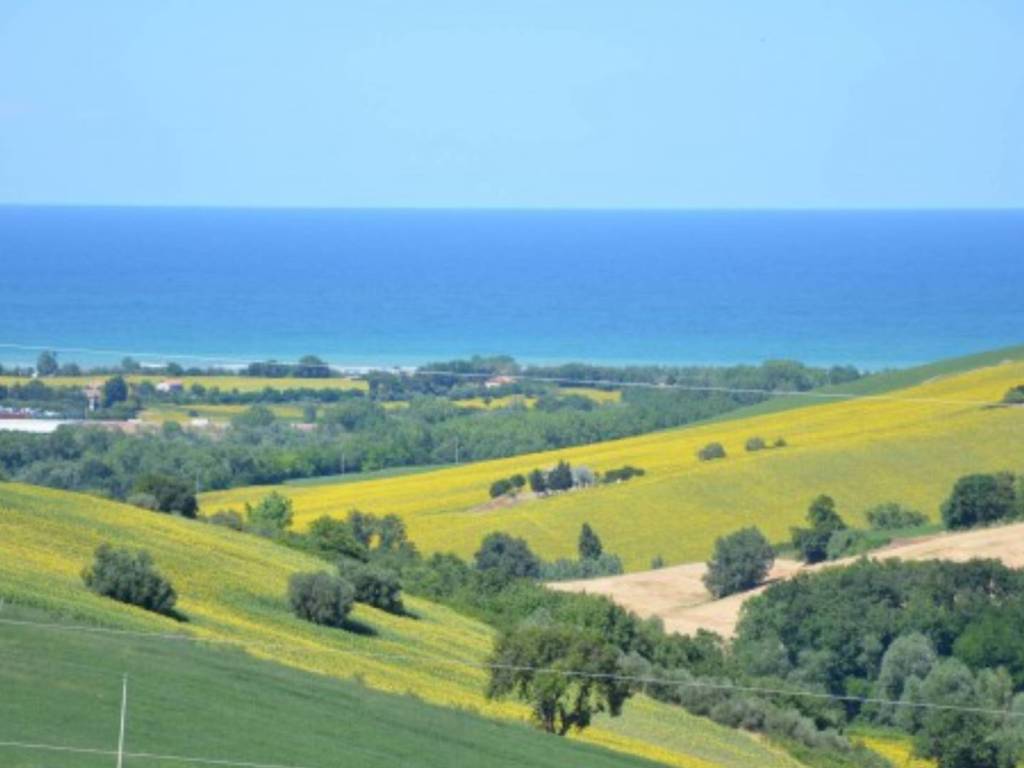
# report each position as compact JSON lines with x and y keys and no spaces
{"x":231,"y":587}
{"x":194,"y":700}
{"x":908,"y":447}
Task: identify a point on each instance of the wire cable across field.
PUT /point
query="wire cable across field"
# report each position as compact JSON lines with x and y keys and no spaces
{"x":491,"y":666}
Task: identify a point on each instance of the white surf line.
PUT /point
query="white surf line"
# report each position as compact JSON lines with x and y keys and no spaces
{"x":609,"y":383}
{"x":469,"y":663}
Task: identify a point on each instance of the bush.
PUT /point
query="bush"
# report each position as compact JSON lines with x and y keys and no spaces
{"x":588,"y":568}
{"x":780,"y":442}
{"x":334,"y":539}
{"x":740,"y":562}
{"x":272,"y":514}
{"x":657,"y":562}
{"x":373,"y":585}
{"x":501,"y":487}
{"x":509,"y":557}
{"x":560,"y":478}
{"x":1015,"y":395}
{"x":320,"y":598}
{"x":172,"y":494}
{"x":812,"y":543}
{"x":538,"y":481}
{"x":892,"y":516}
{"x":756,"y":444}
{"x":229,"y":518}
{"x":843,"y":542}
{"x":589,"y":543}
{"x":622,"y":474}
{"x":979,"y":500}
{"x":711,"y":451}
{"x":130,"y":577}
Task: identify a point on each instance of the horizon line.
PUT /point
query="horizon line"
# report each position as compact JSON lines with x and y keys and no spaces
{"x":519,"y":209}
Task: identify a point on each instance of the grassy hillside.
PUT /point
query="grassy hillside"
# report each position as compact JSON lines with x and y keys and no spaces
{"x":231,"y":588}
{"x":908,"y":445}
{"x":202,"y":701}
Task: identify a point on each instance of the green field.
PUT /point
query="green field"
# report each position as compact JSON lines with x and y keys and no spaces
{"x":231,"y":587}
{"x":195,"y":700}
{"x":905,"y":444}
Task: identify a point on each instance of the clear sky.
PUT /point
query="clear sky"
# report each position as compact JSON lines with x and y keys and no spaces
{"x":518,"y":103}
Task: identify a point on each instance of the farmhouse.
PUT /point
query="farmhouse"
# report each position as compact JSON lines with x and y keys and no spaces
{"x":170,"y":385}
{"x":498,"y":381}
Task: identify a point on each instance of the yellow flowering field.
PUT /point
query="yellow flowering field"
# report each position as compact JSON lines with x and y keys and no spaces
{"x":217,"y":413}
{"x":907,"y":446}
{"x":231,"y":588}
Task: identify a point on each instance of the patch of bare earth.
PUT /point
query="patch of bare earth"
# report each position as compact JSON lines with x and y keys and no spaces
{"x":677,"y":595}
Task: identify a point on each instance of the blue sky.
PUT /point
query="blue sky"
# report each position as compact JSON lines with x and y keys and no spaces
{"x":486,"y":103}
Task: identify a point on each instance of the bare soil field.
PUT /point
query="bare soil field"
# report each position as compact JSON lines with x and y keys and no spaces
{"x":677,"y":595}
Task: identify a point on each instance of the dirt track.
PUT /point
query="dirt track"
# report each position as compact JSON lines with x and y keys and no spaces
{"x":677,"y":594}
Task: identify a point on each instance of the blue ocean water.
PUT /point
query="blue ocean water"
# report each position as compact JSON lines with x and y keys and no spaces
{"x":402,"y":287}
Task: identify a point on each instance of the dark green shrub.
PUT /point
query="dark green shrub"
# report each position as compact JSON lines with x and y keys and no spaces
{"x":560,"y":478}
{"x":756,"y":444}
{"x":320,"y":598}
{"x":1015,"y":395}
{"x":892,"y":516}
{"x":130,"y":577}
{"x":509,"y":557}
{"x":172,"y":494}
{"x":622,"y":474}
{"x":980,"y":500}
{"x":229,"y":518}
{"x":741,"y":561}
{"x":376,"y":586}
{"x":332,"y":538}
{"x":501,"y":487}
{"x":711,"y":451}
{"x":271,"y":515}
{"x":812,"y":543}
{"x":589,"y":544}
{"x":538,"y":481}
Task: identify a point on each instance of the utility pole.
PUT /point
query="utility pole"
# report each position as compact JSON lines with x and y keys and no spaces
{"x":124,"y":716}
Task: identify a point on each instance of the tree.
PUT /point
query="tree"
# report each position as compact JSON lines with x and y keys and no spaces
{"x":130,"y":577}
{"x":333,"y":538}
{"x":376,"y":586}
{"x":115,"y":390}
{"x":510,"y":558}
{"x":560,"y":478}
{"x":979,"y":500}
{"x":711,"y":451}
{"x":320,"y":598}
{"x":564,"y":674}
{"x":312,"y":367}
{"x":271,"y":515}
{"x":812,"y":543}
{"x":501,"y":487}
{"x":755,"y":444}
{"x":170,"y":494}
{"x":46,"y":363}
{"x":589,"y":545}
{"x":538,"y":481}
{"x":958,"y":737}
{"x":910,"y":657}
{"x":741,"y":561}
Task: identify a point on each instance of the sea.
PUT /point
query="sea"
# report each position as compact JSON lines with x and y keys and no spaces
{"x":362,"y":288}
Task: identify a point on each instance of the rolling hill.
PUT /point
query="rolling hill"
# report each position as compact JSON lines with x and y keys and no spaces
{"x":907,"y":437}
{"x":231,"y":588}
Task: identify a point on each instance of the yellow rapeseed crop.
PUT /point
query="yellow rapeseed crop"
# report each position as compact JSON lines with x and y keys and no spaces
{"x":231,"y":587}
{"x":908,"y":446}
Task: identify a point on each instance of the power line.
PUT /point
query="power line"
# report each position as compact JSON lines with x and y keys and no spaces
{"x":613,"y":677}
{"x":141,"y":755}
{"x":562,"y":381}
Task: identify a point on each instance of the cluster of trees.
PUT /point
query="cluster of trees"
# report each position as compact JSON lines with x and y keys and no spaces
{"x":592,"y":562}
{"x":562,"y":477}
{"x":984,"y":499}
{"x":907,"y":633}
